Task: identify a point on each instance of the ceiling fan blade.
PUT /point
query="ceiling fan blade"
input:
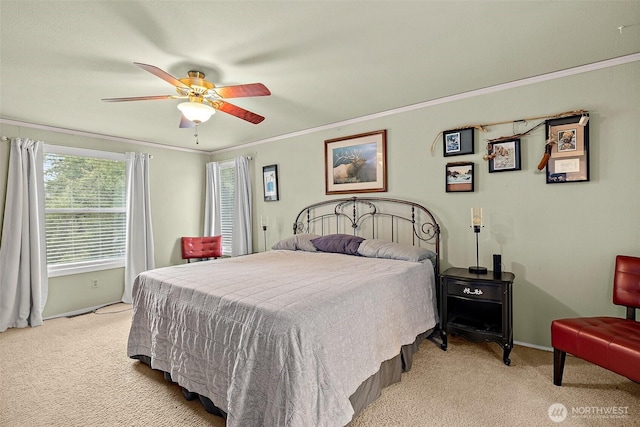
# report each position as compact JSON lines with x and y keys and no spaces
{"x":186,"y":123}
{"x":251,"y":89}
{"x":162,"y":74}
{"x":239,"y":112}
{"x":143,"y":98}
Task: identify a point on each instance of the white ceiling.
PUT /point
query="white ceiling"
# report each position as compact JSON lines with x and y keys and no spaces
{"x":324,"y":61}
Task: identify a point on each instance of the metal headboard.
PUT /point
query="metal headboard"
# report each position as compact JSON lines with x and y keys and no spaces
{"x":396,"y":220}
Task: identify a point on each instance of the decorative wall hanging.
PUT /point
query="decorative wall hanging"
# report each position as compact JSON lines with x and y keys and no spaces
{"x":270,"y":183}
{"x":483,"y":127}
{"x":356,"y":164}
{"x":504,"y":155}
{"x":567,"y":150}
{"x":458,"y":142}
{"x":459,"y":177}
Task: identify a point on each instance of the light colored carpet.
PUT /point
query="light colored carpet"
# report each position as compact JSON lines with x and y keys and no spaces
{"x":74,"y":372}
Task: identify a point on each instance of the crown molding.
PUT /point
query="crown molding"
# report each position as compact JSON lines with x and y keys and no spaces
{"x":451,"y":98}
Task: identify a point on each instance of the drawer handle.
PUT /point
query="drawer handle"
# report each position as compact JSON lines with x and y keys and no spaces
{"x":468,"y":291}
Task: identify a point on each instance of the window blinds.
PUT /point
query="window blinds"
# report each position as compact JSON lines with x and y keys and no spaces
{"x":227,"y":190}
{"x":84,"y":210}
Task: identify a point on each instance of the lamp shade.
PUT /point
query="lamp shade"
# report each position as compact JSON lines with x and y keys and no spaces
{"x":476,"y":217}
{"x":196,"y":111}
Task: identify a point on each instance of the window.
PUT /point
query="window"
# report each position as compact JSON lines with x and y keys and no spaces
{"x":85,"y":209}
{"x":227,"y":191}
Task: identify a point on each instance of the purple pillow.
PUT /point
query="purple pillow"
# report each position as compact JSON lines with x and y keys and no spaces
{"x":338,"y":243}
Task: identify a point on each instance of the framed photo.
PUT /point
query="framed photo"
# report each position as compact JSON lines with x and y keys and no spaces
{"x":459,"y":177}
{"x":270,"y":183}
{"x":569,"y":161}
{"x":504,"y":156}
{"x":356,"y":164}
{"x":457,"y":142}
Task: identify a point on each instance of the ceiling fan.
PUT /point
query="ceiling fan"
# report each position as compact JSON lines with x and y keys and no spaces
{"x":204,"y":98}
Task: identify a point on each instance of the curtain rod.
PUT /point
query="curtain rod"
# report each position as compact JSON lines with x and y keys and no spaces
{"x":230,"y":160}
{"x":6,"y":138}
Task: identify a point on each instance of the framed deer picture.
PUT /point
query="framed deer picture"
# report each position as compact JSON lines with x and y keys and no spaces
{"x":356,"y":164}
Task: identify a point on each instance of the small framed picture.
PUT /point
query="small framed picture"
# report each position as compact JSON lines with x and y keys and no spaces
{"x":457,"y":142}
{"x":504,"y":156}
{"x":569,"y":161}
{"x":270,"y":183}
{"x":459,"y":177}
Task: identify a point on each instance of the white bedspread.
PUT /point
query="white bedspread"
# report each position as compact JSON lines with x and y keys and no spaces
{"x":280,"y":338}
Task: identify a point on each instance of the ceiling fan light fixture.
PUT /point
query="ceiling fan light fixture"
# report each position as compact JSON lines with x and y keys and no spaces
{"x":196,"y":111}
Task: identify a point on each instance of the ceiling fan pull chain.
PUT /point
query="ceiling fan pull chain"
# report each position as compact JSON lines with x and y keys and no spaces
{"x":196,"y":135}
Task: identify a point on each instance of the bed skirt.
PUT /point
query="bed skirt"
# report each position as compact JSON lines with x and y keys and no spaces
{"x":390,"y":372}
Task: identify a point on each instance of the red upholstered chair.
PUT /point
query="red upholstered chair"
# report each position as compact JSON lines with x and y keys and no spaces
{"x":201,"y":247}
{"x":610,"y":342}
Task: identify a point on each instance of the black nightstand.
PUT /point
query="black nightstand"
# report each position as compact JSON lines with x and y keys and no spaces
{"x":478,"y":307}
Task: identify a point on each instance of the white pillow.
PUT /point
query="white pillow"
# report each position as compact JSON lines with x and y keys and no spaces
{"x":376,"y":248}
{"x":298,"y":242}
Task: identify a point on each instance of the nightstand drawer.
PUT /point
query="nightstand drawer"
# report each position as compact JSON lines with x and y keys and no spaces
{"x":475,"y":290}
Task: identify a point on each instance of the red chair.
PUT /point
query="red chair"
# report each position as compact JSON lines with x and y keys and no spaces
{"x":610,"y":342}
{"x":201,"y":247}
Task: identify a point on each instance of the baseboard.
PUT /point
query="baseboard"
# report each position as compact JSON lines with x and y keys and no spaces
{"x":81,"y":311}
{"x":539,"y":347}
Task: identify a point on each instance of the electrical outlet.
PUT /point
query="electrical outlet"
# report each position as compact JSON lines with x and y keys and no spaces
{"x":94,"y":283}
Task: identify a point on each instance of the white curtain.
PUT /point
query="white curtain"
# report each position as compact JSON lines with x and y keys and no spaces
{"x":23,"y":254}
{"x":212,"y":225}
{"x":241,"y":234}
{"x":242,"y":239}
{"x":139,"y":244}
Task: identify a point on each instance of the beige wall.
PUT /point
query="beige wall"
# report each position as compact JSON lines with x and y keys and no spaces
{"x":559,"y":240}
{"x":177,"y":206}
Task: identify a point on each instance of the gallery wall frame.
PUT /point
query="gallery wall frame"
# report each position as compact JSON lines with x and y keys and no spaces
{"x":458,"y":142}
{"x":504,"y":156}
{"x":356,"y":163}
{"x":270,"y":183}
{"x":569,"y":156}
{"x":459,"y":177}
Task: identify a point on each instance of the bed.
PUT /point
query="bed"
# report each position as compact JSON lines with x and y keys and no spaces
{"x":307,"y":333}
